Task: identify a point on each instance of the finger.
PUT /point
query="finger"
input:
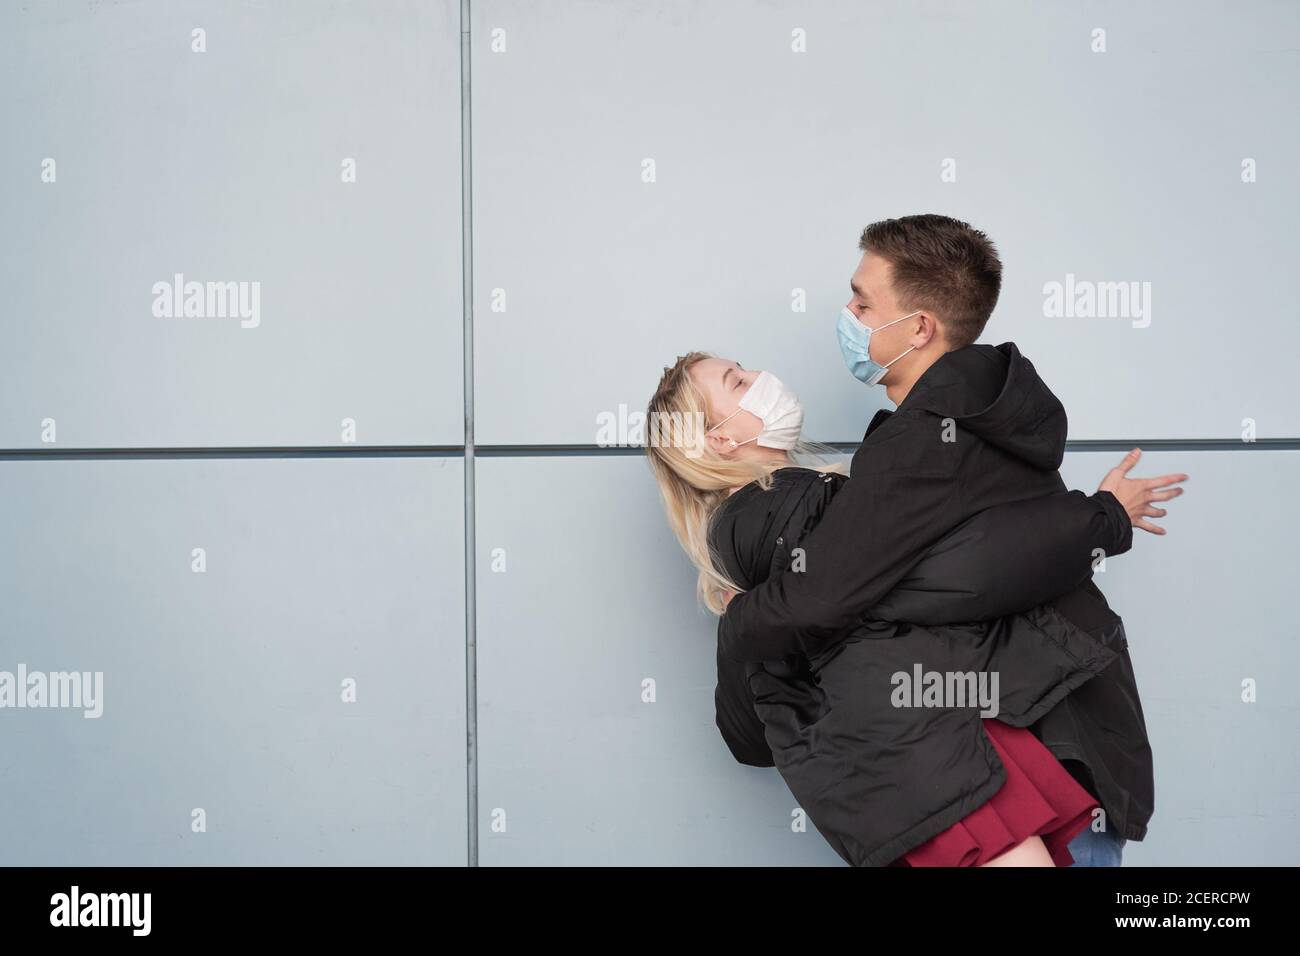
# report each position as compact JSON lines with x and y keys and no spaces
{"x":1155,"y":512}
{"x":1164,"y":480}
{"x":1131,"y":459}
{"x":1148,"y":526}
{"x":1164,"y":495}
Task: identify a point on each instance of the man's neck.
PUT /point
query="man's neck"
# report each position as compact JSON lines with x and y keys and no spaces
{"x":899,"y":381}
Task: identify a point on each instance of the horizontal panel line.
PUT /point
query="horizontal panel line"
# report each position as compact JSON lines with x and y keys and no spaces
{"x":1101,"y":444}
{"x":1185,"y":444}
{"x":264,"y":451}
{"x":560,"y":451}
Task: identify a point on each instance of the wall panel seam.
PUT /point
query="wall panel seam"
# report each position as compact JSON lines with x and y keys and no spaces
{"x":558,"y":449}
{"x":467,"y":306}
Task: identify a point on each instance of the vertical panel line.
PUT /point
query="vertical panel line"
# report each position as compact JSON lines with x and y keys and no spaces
{"x":471,"y":560}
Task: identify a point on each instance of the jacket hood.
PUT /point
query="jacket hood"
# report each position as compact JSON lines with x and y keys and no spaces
{"x":995,"y":393}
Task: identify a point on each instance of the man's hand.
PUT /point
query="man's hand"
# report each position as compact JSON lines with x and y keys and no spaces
{"x":1138,"y":495}
{"x":726,"y":599}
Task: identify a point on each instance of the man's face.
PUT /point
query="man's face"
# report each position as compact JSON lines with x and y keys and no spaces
{"x":874,"y":304}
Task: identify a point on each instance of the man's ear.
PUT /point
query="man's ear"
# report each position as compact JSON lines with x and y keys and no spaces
{"x":931,"y":331}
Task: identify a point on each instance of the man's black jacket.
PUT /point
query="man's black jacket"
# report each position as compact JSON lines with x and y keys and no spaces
{"x":979,"y":429}
{"x":876,"y":775}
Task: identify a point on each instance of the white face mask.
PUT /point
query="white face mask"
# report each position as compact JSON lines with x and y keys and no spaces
{"x":770,"y":400}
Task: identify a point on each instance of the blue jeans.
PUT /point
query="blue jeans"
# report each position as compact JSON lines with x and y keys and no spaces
{"x":1090,"y":848}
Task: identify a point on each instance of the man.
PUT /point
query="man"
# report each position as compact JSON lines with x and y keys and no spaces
{"x":974,"y":428}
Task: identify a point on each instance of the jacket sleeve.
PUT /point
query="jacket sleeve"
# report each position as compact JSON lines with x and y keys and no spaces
{"x":1010,"y":558}
{"x":736,"y":718}
{"x":870,"y":537}
{"x":872,"y":533}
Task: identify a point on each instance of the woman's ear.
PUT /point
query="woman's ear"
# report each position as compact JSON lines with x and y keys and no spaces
{"x":722,"y":445}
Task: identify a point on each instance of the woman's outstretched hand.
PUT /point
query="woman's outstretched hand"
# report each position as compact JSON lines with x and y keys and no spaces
{"x":1138,"y":495}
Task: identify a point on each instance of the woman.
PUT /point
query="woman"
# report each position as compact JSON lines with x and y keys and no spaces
{"x":721,"y":448}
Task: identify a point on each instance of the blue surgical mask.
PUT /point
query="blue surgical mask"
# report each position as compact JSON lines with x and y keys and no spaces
{"x":855,"y":345}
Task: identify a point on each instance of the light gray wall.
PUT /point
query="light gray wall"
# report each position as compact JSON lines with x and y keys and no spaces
{"x":223,"y":688}
{"x":593,"y":599}
{"x":588,"y":708}
{"x":227,"y":166}
{"x":1122,"y":166}
{"x":1207,"y":608}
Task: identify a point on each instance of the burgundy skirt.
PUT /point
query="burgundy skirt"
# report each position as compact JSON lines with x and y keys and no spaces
{"x":1040,"y":797}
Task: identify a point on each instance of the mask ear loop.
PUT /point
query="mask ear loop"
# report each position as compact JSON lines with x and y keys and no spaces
{"x":895,"y":322}
{"x":734,"y":443}
{"x":888,"y":364}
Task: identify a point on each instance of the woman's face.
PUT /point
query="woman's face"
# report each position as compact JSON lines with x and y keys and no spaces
{"x":723,"y":383}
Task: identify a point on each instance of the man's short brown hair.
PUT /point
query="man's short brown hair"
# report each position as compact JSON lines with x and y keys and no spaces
{"x":942,"y":265}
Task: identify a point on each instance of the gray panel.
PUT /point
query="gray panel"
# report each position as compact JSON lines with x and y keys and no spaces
{"x":1122,"y":166}
{"x":1207,"y":606}
{"x":595,"y":598}
{"x":222,"y":690}
{"x":226,"y":166}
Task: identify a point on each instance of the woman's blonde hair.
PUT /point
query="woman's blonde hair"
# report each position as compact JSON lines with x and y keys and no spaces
{"x":693,"y":479}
